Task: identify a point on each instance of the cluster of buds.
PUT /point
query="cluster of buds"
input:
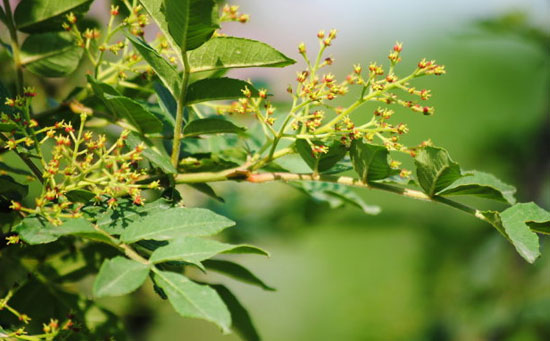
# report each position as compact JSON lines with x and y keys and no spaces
{"x":257,"y":105}
{"x":80,"y":161}
{"x":231,"y":13}
{"x":137,"y":20}
{"x":326,"y":39}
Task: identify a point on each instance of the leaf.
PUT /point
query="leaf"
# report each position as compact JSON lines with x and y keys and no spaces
{"x":174,"y":223}
{"x":214,"y":89}
{"x":517,"y":224}
{"x":11,"y":189}
{"x":321,"y":162}
{"x":119,"y":276}
{"x":190,"y":22}
{"x":166,"y":72}
{"x":194,"y":250}
{"x":156,"y":10}
{"x":32,"y":16}
{"x":482,"y":185}
{"x":242,"y":323}
{"x":435,"y":169}
{"x":232,"y":52}
{"x":336,"y":195}
{"x":205,"y":126}
{"x":51,"y":54}
{"x":116,"y":220}
{"x":80,"y":195}
{"x":235,"y":271}
{"x":135,"y":113}
{"x":168,"y":105}
{"x":34,"y":230}
{"x":194,"y":300}
{"x":123,"y":107}
{"x":370,"y":161}
{"x":150,"y":153}
{"x":206,"y":189}
{"x":3,"y":19}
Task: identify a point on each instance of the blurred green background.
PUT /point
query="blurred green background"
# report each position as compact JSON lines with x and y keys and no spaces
{"x":416,"y":271}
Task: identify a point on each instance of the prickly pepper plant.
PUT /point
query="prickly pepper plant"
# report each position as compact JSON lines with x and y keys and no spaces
{"x":89,"y":185}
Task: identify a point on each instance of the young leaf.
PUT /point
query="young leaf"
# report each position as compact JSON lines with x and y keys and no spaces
{"x":119,"y":276}
{"x":242,"y":323}
{"x":323,"y":161}
{"x":435,"y":169}
{"x":517,"y":224}
{"x":32,"y":16}
{"x":336,"y":195}
{"x":190,"y":22}
{"x":231,"y":52}
{"x":235,"y":271}
{"x":214,"y":89}
{"x":51,"y":54}
{"x":482,"y":185}
{"x":174,"y":223}
{"x":166,"y":72}
{"x":194,"y":300}
{"x":370,"y":161}
{"x":194,"y":250}
{"x":157,"y":157}
{"x":206,"y":126}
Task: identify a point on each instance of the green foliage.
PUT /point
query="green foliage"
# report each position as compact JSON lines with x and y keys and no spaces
{"x":106,"y":202}
{"x":222,"y":53}
{"x":51,"y":54}
{"x":210,"y":126}
{"x":119,"y":276}
{"x":370,"y":161}
{"x":41,"y":16}
{"x":435,"y":170}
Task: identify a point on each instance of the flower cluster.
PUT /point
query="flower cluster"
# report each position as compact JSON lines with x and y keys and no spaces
{"x":313,"y":118}
{"x":79,"y":161}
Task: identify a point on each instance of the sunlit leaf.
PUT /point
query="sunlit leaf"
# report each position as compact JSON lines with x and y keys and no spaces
{"x":232,"y":52}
